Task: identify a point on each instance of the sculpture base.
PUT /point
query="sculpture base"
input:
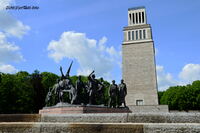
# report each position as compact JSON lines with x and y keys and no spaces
{"x":63,"y":108}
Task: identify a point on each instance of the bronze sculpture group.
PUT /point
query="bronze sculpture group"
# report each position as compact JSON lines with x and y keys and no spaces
{"x":87,"y":94}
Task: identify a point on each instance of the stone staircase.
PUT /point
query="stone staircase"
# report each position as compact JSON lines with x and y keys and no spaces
{"x":101,"y":123}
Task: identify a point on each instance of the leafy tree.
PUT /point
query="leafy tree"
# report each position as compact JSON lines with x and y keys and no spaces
{"x":16,"y":93}
{"x":39,"y":91}
{"x":160,"y":94}
{"x":7,"y":94}
{"x":25,"y":93}
{"x":48,"y":80}
{"x":0,"y":77}
{"x":182,"y":97}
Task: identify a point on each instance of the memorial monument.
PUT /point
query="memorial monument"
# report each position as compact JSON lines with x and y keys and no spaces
{"x":138,"y":68}
{"x":139,"y":74}
{"x":84,"y":97}
{"x":138,"y":60}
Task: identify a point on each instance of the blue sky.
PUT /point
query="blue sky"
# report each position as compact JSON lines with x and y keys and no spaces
{"x":89,"y":32}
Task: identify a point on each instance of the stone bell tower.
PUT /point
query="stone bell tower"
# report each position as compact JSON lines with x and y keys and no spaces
{"x":138,"y":60}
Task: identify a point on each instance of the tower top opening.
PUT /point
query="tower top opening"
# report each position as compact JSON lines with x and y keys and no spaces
{"x":137,"y":16}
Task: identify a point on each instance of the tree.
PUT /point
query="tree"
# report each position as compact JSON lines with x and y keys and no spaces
{"x":24,"y":92}
{"x":39,"y":91}
{"x":16,"y":93}
{"x":182,"y":97}
{"x":48,"y":80}
{"x":7,"y":94}
{"x":160,"y":94}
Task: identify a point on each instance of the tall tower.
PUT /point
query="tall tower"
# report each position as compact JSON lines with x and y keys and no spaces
{"x":138,"y":60}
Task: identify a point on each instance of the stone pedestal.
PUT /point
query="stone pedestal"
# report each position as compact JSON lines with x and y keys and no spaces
{"x":149,"y":109}
{"x":63,"y":108}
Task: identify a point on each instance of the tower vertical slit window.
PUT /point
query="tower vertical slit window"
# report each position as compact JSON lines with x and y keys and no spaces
{"x":140,"y":32}
{"x":142,"y":17}
{"x":144,"y":34}
{"x":136,"y":35}
{"x":133,"y":18}
{"x":133,"y":38}
{"x":136,"y":18}
{"x":130,"y":19}
{"x":129,"y":35}
{"x":139,"y":17}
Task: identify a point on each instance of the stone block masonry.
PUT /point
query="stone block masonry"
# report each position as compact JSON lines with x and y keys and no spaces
{"x":138,"y":60}
{"x":102,"y":123}
{"x":155,"y":117}
{"x":99,"y":128}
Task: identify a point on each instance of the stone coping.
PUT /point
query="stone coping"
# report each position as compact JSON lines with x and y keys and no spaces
{"x":61,"y":105}
{"x":41,"y":127}
{"x":105,"y":118}
{"x":20,"y":118}
{"x":82,"y":109}
{"x":85,"y":123}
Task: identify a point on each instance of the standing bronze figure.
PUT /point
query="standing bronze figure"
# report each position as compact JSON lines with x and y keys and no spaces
{"x":113,"y":94}
{"x":122,"y":93}
{"x":101,"y":89}
{"x":81,"y":91}
{"x":93,"y":87}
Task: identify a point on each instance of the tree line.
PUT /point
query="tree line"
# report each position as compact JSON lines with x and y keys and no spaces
{"x":25,"y":93}
{"x":185,"y":97}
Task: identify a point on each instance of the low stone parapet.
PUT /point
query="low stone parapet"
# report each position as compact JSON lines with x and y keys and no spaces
{"x":82,"y":109}
{"x":20,"y":118}
{"x":31,"y":127}
{"x":105,"y":118}
{"x":149,"y":108}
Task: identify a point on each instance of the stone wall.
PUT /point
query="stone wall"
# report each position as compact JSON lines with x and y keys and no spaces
{"x":98,"y":128}
{"x":20,"y":118}
{"x":139,"y":73}
{"x":147,"y":109}
{"x":126,"y":118}
{"x":102,"y":123}
{"x":107,"y":118}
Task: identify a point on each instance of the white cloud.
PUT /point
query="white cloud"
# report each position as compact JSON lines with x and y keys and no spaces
{"x":190,"y":72}
{"x":7,"y":68}
{"x":4,"y":3}
{"x":8,"y":51}
{"x":84,"y":71}
{"x":11,"y":26}
{"x":102,"y":41}
{"x":89,"y":53}
{"x":8,"y":24}
{"x":165,"y":80}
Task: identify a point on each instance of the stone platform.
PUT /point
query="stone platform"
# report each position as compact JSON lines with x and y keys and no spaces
{"x":23,"y":127}
{"x":104,"y":118}
{"x":101,"y":123}
{"x":79,"y":109}
{"x":149,"y":108}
